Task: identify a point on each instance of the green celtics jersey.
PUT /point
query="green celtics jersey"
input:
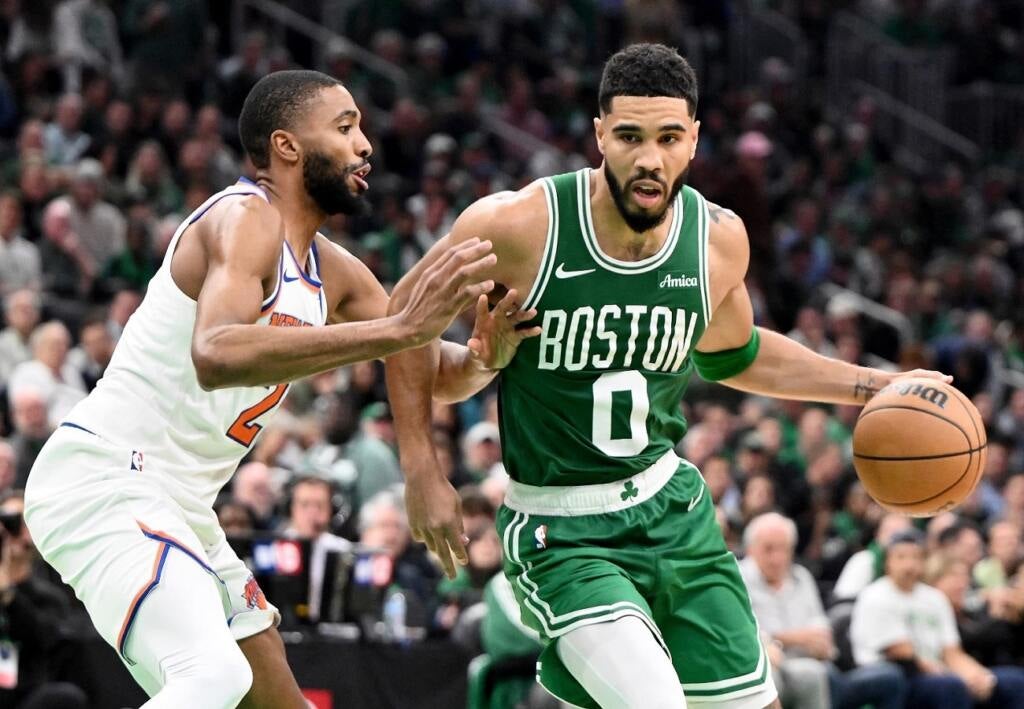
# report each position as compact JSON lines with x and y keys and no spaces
{"x":596,"y":397}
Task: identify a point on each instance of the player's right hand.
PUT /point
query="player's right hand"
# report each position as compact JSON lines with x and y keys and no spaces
{"x":435,"y":518}
{"x":446,"y":288}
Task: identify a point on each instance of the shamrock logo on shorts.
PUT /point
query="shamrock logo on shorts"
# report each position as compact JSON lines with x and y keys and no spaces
{"x":629,"y":490}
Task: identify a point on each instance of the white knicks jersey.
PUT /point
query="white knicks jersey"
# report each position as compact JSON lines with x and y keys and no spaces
{"x":149,"y":399}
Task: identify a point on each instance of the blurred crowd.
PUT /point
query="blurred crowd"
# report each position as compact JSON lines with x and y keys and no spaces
{"x":118,"y":118}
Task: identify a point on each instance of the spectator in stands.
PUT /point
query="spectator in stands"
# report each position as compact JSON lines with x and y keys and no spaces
{"x":372,"y":451}
{"x":33,"y":613}
{"x":1013,"y":494}
{"x":20,"y":267}
{"x":68,"y":269}
{"x":1004,"y":546}
{"x":30,"y":145}
{"x":124,"y":304}
{"x":235,"y":518}
{"x":785,"y":601}
{"x":137,"y":263}
{"x":900,"y":619}
{"x":65,"y":142}
{"x":254,"y":486}
{"x":98,"y":224}
{"x":208,"y":132}
{"x":868,"y":564}
{"x":963,"y":541}
{"x":49,"y":373}
{"x":31,"y":429}
{"x":991,"y":639}
{"x":8,"y":467}
{"x":481,"y":450}
{"x":21,"y":313}
{"x":788,"y":608}
{"x":165,"y":46}
{"x":384,"y":525}
{"x":94,"y":350}
{"x":85,"y":35}
{"x":150,"y":179}
{"x":309,"y":508}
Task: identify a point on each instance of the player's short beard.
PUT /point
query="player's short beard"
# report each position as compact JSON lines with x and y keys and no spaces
{"x":327,"y":184}
{"x":640,"y":221}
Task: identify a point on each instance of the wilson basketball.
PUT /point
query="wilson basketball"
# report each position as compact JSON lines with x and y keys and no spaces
{"x":919,"y":447}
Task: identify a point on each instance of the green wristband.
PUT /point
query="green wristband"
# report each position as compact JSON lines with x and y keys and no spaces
{"x":716,"y":366}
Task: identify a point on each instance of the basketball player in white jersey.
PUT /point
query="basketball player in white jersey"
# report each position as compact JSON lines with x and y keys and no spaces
{"x":120,"y":498}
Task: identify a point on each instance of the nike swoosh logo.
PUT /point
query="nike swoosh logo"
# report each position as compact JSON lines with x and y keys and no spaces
{"x":560,"y":272}
{"x":289,"y":280}
{"x":694,"y":501}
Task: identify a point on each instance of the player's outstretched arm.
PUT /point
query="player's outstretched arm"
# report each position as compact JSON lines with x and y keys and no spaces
{"x":432,"y":504}
{"x":228,"y":349}
{"x":759,"y":360}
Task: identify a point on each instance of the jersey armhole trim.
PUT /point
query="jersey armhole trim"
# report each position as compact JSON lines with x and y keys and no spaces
{"x":702,"y":255}
{"x":547,"y":261}
{"x":272,"y":299}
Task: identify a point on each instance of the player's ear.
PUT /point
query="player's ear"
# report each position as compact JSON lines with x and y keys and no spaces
{"x":599,"y":133}
{"x":284,"y":145}
{"x":696,"y":137}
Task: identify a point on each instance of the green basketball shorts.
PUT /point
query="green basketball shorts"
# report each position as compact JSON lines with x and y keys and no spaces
{"x":647,"y":546}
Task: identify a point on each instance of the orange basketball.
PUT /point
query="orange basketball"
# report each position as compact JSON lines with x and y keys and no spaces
{"x":919,"y":447}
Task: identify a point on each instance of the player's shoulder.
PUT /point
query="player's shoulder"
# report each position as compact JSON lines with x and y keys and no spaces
{"x":508,"y":214}
{"x":247,"y":218}
{"x":727,"y":236}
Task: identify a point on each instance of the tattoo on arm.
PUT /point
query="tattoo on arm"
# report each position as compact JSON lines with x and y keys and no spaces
{"x":866,"y":387}
{"x":715,"y":212}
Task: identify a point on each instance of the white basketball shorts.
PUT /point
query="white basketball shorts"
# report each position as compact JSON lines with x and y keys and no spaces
{"x":99,"y":516}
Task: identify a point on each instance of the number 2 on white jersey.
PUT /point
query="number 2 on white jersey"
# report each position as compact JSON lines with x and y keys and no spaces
{"x":244,"y":429}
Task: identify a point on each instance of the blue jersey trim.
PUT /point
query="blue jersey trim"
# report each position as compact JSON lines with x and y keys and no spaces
{"x":302,"y":271}
{"x":126,"y":631}
{"x":75,"y":425}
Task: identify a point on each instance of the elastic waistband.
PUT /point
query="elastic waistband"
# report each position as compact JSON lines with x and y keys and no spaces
{"x":580,"y":500}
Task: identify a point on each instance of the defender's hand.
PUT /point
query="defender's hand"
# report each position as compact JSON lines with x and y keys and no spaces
{"x":447,"y":288}
{"x":435,"y":518}
{"x":495,"y":338}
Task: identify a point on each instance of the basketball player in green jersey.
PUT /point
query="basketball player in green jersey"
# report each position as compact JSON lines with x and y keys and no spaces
{"x":610,"y":539}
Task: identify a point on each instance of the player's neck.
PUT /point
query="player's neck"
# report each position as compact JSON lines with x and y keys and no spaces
{"x":616,"y":238}
{"x":299,"y":212}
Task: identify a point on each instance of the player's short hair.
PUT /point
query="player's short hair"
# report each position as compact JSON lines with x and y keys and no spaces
{"x":647,"y":70}
{"x":273,"y":104}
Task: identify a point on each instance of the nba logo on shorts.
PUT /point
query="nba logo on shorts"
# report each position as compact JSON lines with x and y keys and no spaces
{"x":541,"y":535}
{"x":137,"y":461}
{"x":253,"y":595}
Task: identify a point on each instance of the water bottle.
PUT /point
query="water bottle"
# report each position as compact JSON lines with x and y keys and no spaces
{"x":394,"y":616}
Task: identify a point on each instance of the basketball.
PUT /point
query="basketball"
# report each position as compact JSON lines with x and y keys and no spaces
{"x":919,"y":447}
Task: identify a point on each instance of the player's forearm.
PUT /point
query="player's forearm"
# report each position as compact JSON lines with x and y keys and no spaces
{"x":255,"y":355}
{"x":410,"y":380}
{"x":460,"y":375}
{"x":787,"y":370}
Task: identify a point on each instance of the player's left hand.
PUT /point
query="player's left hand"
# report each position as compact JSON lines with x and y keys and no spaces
{"x":495,"y":337}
